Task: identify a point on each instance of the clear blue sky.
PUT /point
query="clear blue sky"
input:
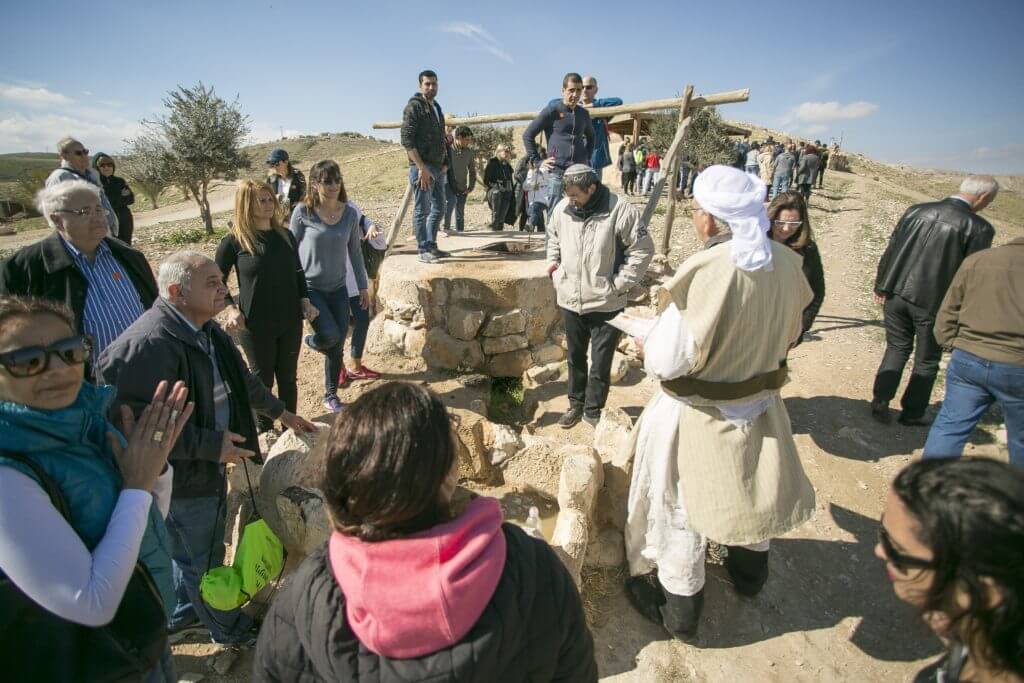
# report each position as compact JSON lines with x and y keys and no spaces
{"x":938,"y":84}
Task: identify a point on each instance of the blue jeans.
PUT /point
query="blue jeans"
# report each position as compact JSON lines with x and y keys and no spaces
{"x":361,"y":317}
{"x":428,"y":207}
{"x":457,"y":203}
{"x":554,"y":188}
{"x":196,"y":527}
{"x":780,"y":183}
{"x":972,"y":385}
{"x":536,"y":217}
{"x":330,"y":328}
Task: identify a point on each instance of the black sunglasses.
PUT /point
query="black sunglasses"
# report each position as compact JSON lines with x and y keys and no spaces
{"x":81,"y":152}
{"x":35,"y":360}
{"x":900,"y":561}
{"x":329,"y":181}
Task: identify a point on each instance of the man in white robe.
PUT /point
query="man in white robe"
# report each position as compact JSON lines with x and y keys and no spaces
{"x":714,"y":457}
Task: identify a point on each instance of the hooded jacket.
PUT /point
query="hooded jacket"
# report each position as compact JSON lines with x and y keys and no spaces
{"x":469,"y":600}
{"x":423,"y":131}
{"x":602,"y":250}
{"x":71,"y":446}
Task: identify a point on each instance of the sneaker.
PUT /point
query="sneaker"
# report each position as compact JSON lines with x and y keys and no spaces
{"x":333,"y":404}
{"x":880,"y":411}
{"x":439,"y":253}
{"x":363,"y":373}
{"x":570,"y":418}
{"x":427,"y":257}
{"x":592,"y":420}
{"x":343,"y":376}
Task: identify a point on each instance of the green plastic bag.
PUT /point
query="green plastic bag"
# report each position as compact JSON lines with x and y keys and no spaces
{"x":258,"y":561}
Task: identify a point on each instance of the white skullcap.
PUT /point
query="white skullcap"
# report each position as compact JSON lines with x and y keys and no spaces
{"x":738,"y":199}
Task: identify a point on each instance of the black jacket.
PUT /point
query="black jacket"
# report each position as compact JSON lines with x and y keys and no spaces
{"x":533,"y":629}
{"x":46,"y":270}
{"x":569,"y":132}
{"x":815,"y":274}
{"x":498,"y":176}
{"x":422,"y":131}
{"x":160,"y":346}
{"x":926,"y":249}
{"x":296,"y":191}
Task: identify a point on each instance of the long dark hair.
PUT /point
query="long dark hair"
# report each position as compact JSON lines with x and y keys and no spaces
{"x":971,"y":515}
{"x":328,"y":168}
{"x":792,"y":200}
{"x":388,"y":455}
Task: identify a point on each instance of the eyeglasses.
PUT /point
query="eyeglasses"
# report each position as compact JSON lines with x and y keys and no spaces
{"x":80,"y":152}
{"x":900,"y":561}
{"x":329,"y":181}
{"x":35,"y":360}
{"x":87,"y":211}
{"x":787,"y":224}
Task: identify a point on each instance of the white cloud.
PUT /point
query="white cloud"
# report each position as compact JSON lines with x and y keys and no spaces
{"x":1004,"y":152}
{"x":479,"y":37}
{"x":825,"y":112}
{"x":36,"y":97}
{"x":262,"y":132}
{"x":20,"y":133}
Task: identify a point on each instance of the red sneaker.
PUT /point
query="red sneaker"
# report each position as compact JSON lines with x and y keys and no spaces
{"x":363,"y":373}
{"x":343,"y":377}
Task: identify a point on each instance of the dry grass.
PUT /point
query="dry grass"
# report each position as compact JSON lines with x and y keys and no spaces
{"x":595,"y":587}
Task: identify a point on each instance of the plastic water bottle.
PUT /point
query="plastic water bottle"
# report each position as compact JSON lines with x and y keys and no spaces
{"x":532,"y":524}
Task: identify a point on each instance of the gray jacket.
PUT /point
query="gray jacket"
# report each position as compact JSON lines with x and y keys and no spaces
{"x":784,"y":164}
{"x":600,"y":257}
{"x":808,"y":169}
{"x":66,"y":172}
{"x":160,"y":346}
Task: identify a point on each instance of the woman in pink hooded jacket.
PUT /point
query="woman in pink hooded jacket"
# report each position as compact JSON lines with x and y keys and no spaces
{"x":405,"y":589}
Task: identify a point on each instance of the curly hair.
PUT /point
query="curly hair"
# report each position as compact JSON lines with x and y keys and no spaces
{"x":970,"y":513}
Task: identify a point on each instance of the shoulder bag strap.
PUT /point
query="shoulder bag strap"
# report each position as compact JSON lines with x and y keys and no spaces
{"x":45,"y":481}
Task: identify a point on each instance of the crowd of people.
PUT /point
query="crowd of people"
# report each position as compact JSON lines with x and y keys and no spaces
{"x":123,"y":401}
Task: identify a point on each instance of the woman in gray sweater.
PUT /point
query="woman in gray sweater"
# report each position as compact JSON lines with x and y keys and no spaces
{"x":326,"y":227}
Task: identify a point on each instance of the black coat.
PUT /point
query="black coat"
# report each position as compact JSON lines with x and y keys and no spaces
{"x":533,"y":629}
{"x":926,"y":249}
{"x":296,"y":191}
{"x":160,"y":346}
{"x":815,"y":274}
{"x":46,"y":270}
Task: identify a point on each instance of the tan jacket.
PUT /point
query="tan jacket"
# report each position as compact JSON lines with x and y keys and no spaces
{"x":741,"y":485}
{"x":599,"y":258}
{"x":983,"y":312}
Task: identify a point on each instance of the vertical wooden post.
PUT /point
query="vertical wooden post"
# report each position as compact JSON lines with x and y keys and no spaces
{"x":636,"y":129}
{"x":673,"y":193}
{"x":400,"y":216}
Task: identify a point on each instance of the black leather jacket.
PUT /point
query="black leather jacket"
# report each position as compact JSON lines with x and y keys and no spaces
{"x":926,"y":249}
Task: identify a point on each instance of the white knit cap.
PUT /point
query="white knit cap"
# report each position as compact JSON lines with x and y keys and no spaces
{"x":738,"y":199}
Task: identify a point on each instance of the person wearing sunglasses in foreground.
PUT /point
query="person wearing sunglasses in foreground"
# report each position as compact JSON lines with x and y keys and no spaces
{"x":952,"y":539}
{"x":58,"y":571}
{"x":178,"y":339}
{"x":407,"y":588}
{"x":106,"y":284}
{"x":74,"y":165}
{"x":791,"y":225}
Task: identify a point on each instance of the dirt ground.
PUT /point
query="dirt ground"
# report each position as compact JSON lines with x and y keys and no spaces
{"x":827,"y":612}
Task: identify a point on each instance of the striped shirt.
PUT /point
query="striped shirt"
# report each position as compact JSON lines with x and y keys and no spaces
{"x":111,"y":302}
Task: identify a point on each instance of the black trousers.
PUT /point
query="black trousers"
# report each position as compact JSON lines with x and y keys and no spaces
{"x":908,"y":329}
{"x":503,"y":208}
{"x":821,"y":175}
{"x":275,"y":357}
{"x":589,"y":390}
{"x":628,"y":181}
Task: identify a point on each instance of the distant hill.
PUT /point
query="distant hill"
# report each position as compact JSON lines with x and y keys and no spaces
{"x":12,"y":165}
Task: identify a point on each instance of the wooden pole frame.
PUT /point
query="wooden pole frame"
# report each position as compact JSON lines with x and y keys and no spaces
{"x":673,"y":168}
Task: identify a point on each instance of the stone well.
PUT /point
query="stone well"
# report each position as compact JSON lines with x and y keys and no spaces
{"x":489,"y":308}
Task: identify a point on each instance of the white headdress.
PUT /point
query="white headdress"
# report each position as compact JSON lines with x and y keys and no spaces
{"x":738,"y":199}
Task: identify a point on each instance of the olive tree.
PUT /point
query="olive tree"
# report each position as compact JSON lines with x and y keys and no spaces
{"x":706,"y":142}
{"x":485,"y":140}
{"x":198,"y":140}
{"x":144,"y":161}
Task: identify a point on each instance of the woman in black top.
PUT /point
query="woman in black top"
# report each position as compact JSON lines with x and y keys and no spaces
{"x":271,"y":288}
{"x":286,"y":181}
{"x":952,"y":539}
{"x":500,"y":196}
{"x":791,"y":225}
{"x":119,"y":195}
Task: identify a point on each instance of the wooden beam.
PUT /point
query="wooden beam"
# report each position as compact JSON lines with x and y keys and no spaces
{"x":636,"y":129}
{"x":673,"y":168}
{"x":601,"y":113}
{"x":400,"y":216}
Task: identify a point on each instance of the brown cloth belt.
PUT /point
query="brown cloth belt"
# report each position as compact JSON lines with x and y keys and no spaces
{"x":682,"y":387}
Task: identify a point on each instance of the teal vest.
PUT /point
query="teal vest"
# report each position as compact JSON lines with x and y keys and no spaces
{"x":71,"y":446}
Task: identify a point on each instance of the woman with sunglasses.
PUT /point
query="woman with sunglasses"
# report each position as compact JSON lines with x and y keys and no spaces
{"x":952,"y":539}
{"x":118,"y":193}
{"x":54,"y":431}
{"x":326,"y":228}
{"x":791,"y":225}
{"x":272,"y":295}
{"x":411,"y":586}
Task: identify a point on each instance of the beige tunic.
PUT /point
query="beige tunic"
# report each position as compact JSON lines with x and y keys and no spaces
{"x":742,"y":483}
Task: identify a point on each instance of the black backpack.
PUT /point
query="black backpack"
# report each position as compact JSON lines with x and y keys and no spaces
{"x":37,"y":645}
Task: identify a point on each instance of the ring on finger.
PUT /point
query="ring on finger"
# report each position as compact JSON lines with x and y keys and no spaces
{"x":158,"y":436}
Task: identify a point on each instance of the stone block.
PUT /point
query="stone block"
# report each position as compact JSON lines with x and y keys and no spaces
{"x":464,"y":323}
{"x":495,"y":345}
{"x":504,"y":324}
{"x":539,"y":322}
{"x":511,"y":364}
{"x":540,"y":374}
{"x":536,"y":467}
{"x":611,"y":435}
{"x":620,"y":368}
{"x":548,"y":353}
{"x":394,"y":332}
{"x":415,"y":341}
{"x":581,"y":478}
{"x":612,"y":443}
{"x":571,"y":536}
{"x":505,"y":442}
{"x":607,"y":550}
{"x":558,"y":337}
{"x":294,"y":460}
{"x":304,"y":523}
{"x":474,"y":447}
{"x":441,"y":350}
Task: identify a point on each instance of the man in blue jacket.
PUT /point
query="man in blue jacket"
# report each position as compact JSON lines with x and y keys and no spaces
{"x":601,"y":156}
{"x":570,"y":136}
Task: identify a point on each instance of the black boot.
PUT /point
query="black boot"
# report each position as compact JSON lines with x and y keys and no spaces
{"x":748,"y":569}
{"x":646,"y":595}
{"x":681,"y":615}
